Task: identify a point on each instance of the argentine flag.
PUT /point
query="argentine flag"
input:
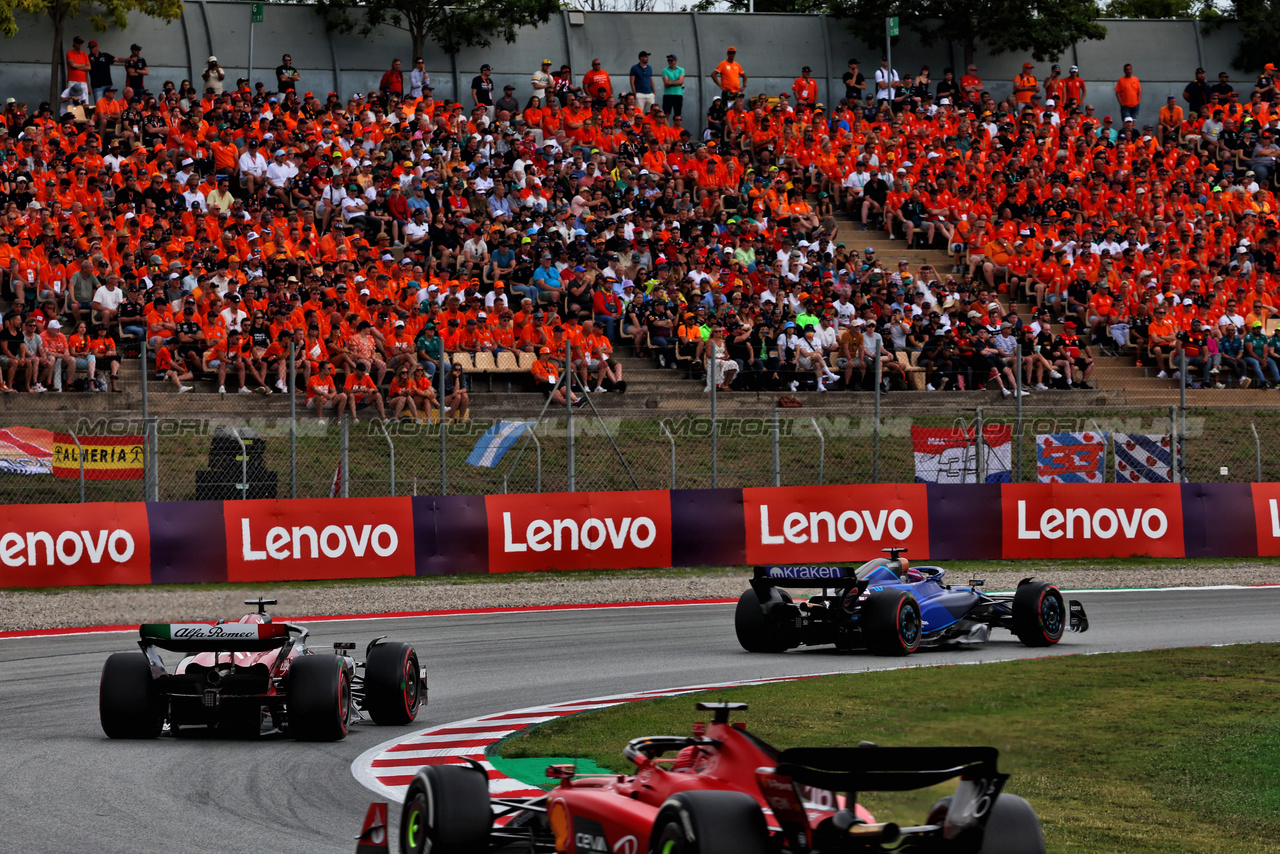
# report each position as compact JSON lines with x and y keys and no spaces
{"x":496,"y":441}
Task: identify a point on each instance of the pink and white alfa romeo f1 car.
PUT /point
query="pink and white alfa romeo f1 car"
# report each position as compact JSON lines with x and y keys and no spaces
{"x":256,"y":676}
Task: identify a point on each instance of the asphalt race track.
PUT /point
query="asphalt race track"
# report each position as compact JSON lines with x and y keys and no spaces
{"x":68,"y":788}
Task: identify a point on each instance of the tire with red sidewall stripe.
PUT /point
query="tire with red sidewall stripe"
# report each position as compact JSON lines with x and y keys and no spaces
{"x":1039,"y":614}
{"x":890,"y":622}
{"x":392,"y":692}
{"x":319,"y":698}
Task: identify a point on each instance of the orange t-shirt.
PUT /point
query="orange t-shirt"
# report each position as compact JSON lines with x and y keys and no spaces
{"x":1128,"y":91}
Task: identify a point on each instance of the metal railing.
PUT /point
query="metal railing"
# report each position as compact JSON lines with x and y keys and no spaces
{"x":691,"y":438}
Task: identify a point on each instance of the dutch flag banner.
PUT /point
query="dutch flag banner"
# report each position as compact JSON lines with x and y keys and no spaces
{"x":496,"y":441}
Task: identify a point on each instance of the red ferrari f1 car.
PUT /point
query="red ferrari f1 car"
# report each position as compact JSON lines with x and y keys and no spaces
{"x":725,"y":792}
{"x":256,"y":676}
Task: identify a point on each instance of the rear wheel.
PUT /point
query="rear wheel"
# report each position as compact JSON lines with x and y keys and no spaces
{"x":1039,"y":614}
{"x":890,"y":622}
{"x":318,"y":698}
{"x":128,"y":703}
{"x":446,"y":811}
{"x":1012,"y":827}
{"x":756,"y":630}
{"x":392,"y":692}
{"x":710,"y":822}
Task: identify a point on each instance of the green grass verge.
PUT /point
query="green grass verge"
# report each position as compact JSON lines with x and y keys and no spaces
{"x":1171,"y":750}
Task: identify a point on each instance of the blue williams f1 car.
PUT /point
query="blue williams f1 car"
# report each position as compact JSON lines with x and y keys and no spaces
{"x":889,"y":607}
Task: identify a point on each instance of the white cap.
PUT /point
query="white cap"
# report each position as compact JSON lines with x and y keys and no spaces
{"x":54,"y":325}
{"x":364,"y":292}
{"x":1050,"y":102}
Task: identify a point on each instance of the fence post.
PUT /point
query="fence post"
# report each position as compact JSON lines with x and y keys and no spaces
{"x":672,"y":439}
{"x":80,"y":454}
{"x":1017,"y":447}
{"x":391,"y":450}
{"x":444,"y":456}
{"x":711,"y":380}
{"x":150,"y":449}
{"x":1257,"y":450}
{"x":875,"y":430}
{"x":571,"y":475}
{"x":822,"y":449}
{"x":1173,"y":445}
{"x":1182,"y":380}
{"x":777,"y":453}
{"x":244,"y":464}
{"x":344,"y":461}
{"x":537,"y":448}
{"x":978,"y":449}
{"x":293,"y":422}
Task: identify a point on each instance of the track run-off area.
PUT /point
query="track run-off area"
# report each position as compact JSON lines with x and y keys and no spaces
{"x":69,"y":788}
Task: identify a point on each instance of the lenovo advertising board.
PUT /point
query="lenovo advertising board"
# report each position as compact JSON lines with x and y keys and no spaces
{"x":579,"y":530}
{"x":848,"y":524}
{"x":318,"y":538}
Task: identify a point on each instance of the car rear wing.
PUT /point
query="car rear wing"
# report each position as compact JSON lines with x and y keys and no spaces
{"x":870,"y":768}
{"x":215,"y":637}
{"x":806,"y":575}
{"x":885,"y":769}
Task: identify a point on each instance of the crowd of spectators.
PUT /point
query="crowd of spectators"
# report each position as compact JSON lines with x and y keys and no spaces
{"x":375,"y":236}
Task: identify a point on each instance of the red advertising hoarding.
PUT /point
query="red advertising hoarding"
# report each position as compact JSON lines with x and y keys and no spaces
{"x":579,"y":530}
{"x":1266,"y":510}
{"x":805,"y":524}
{"x":318,"y":538}
{"x":1053,"y":520}
{"x":55,"y":545}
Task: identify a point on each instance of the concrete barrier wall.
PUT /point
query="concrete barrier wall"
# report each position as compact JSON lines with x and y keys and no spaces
{"x":772,"y":49}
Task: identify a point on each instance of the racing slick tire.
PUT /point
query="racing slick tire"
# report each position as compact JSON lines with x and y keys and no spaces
{"x":128,"y":704}
{"x":710,"y":822}
{"x":392,"y":693}
{"x":1012,"y":828}
{"x":318,"y":698}
{"x":447,"y":811}
{"x":756,"y":630}
{"x":891,"y":623}
{"x":1039,"y":614}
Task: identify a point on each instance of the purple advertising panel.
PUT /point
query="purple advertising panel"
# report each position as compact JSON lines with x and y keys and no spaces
{"x":1218,"y":520}
{"x":964,"y":521}
{"x":706,"y":527}
{"x":187,"y":542}
{"x":450,"y":535}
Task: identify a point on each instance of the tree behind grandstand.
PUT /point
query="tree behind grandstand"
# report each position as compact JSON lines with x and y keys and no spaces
{"x":451,"y":24}
{"x":102,"y":15}
{"x":1043,"y":30}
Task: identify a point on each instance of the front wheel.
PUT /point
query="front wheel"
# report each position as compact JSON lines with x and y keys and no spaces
{"x":710,"y":822}
{"x":319,"y":698}
{"x":392,"y":690}
{"x":1039,"y":614}
{"x":447,"y":810}
{"x":891,"y":623}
